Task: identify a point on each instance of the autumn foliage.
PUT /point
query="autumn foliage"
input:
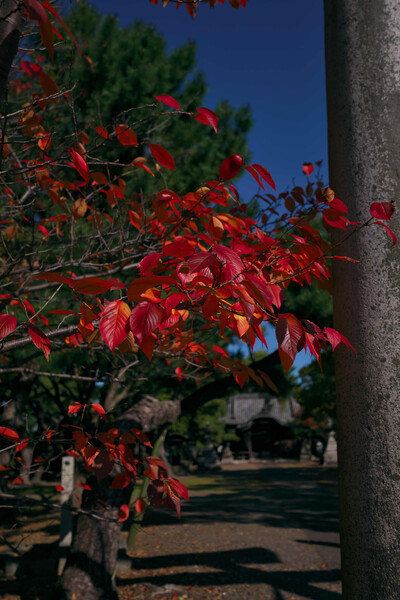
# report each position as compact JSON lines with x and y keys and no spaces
{"x":134,"y":275}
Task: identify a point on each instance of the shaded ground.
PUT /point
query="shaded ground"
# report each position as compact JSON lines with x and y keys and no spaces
{"x":268,"y":533}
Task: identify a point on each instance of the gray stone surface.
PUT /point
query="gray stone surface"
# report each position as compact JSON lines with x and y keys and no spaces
{"x":363,"y":90}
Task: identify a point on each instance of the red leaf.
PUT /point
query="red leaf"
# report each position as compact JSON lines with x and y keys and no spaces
{"x":125,"y":135}
{"x":74,"y":407}
{"x":56,"y":277}
{"x":92,"y":285}
{"x":53,"y":11}
{"x":142,"y":284}
{"x":155,"y":492}
{"x":17,"y":480}
{"x":121,"y":481}
{"x":381,"y":210}
{"x":308,"y":168}
{"x":148,"y":262}
{"x":162,"y":156}
{"x":7,"y":325}
{"x":254,"y":173}
{"x":99,"y":409}
{"x":207,"y":117}
{"x":389,"y":231}
{"x":80,"y":164}
{"x":102,"y":131}
{"x":142,"y":437}
{"x":230,"y":167}
{"x":179,"y":488}
{"x":114,"y":323}
{"x":265,"y":174}
{"x":43,"y":230}
{"x":31,"y":69}
{"x":35,"y":10}
{"x":9,"y":434}
{"x":232,"y":262}
{"x":290,"y":335}
{"x":179,"y":373}
{"x":123,"y":513}
{"x":59,"y":488}
{"x":168,"y":101}
{"x":40,"y":339}
{"x":334,"y":337}
{"x":172,"y":501}
{"x":145,"y":317}
{"x":140,"y":506}
{"x":46,"y":33}
{"x":200,"y":261}
{"x":179,"y":249}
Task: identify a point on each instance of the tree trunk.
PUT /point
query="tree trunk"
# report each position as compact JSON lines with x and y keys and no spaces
{"x":90,"y":569}
{"x":11,"y":25}
{"x":363,"y":89}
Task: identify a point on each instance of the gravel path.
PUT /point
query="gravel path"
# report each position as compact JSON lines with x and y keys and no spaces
{"x":268,"y":533}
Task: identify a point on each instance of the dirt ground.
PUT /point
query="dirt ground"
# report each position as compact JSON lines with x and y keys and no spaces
{"x":267,"y":531}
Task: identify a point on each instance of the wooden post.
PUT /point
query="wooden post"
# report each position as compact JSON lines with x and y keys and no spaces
{"x":363,"y":94}
{"x":67,"y":482}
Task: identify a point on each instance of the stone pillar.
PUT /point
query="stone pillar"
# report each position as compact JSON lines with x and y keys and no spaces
{"x":67,"y":482}
{"x":363,"y":94}
{"x":330,"y":454}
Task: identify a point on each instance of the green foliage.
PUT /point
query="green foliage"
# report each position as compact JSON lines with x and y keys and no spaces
{"x":207,"y":418}
{"x":127,"y":66}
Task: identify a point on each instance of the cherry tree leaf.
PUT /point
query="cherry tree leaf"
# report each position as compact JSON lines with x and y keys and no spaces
{"x":125,"y":135}
{"x":168,"y":101}
{"x":114,"y":323}
{"x":40,"y":340}
{"x":207,"y":117}
{"x":53,"y":11}
{"x":145,"y":317}
{"x":7,"y":325}
{"x":290,"y":335}
{"x":162,"y":156}
{"x":36,"y":10}
{"x":92,"y":285}
{"x":179,"y":488}
{"x":265,"y":174}
{"x":74,"y":408}
{"x":102,"y":131}
{"x":99,"y":409}
{"x":140,"y":506}
{"x":389,"y":232}
{"x":381,"y":210}
{"x":123,"y":513}
{"x":121,"y":481}
{"x":230,"y":167}
{"x":80,"y":164}
{"x":9,"y":434}
{"x":335,"y":337}
{"x":308,"y":168}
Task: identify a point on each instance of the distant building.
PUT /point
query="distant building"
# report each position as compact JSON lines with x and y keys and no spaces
{"x":260,"y":423}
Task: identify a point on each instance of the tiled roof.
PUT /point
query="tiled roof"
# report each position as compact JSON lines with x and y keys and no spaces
{"x":244,"y":408}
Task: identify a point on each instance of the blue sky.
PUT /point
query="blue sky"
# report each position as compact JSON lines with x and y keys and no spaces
{"x":269,"y":55}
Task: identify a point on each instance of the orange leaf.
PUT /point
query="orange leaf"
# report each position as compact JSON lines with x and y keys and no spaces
{"x":99,"y":409}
